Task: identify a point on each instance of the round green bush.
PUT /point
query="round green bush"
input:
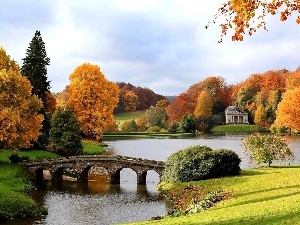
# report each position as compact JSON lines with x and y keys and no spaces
{"x":200,"y":162}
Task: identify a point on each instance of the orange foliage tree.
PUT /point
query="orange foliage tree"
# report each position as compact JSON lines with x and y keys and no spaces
{"x":288,"y":111}
{"x":93,"y":99}
{"x":20,"y":121}
{"x":130,"y":101}
{"x":246,"y":16}
{"x":205,"y":104}
{"x":51,"y":103}
{"x":181,"y":106}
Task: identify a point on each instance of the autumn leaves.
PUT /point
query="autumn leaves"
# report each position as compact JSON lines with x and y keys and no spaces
{"x":244,"y":17}
{"x":93,"y":99}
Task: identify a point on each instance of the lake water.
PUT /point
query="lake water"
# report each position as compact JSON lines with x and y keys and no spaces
{"x":101,"y":203}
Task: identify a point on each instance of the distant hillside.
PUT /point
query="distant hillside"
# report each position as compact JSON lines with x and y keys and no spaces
{"x":170,"y":98}
{"x":146,"y":97}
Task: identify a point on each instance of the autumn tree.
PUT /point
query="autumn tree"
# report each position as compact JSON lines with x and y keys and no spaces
{"x":162,"y":103}
{"x":62,"y":97}
{"x":65,"y":134}
{"x":246,"y":16}
{"x":260,"y":115}
{"x":181,"y":106}
{"x":34,"y":67}
{"x":204,"y":105}
{"x":130,"y":101}
{"x":6,"y":63}
{"x":142,"y":123}
{"x":20,"y":121}
{"x":51,"y":103}
{"x":288,"y":111}
{"x":93,"y":99}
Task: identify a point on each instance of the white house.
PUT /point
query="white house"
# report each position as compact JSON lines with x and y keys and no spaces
{"x":234,"y":116}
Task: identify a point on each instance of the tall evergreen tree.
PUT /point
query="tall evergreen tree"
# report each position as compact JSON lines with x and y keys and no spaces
{"x":35,"y":67}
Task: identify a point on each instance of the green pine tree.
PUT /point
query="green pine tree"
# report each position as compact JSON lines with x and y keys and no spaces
{"x":34,"y":67}
{"x":65,"y":134}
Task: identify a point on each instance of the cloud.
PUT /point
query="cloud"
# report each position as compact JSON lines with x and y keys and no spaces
{"x":162,"y":45}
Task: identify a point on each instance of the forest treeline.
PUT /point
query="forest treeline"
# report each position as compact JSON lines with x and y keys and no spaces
{"x":32,"y":116}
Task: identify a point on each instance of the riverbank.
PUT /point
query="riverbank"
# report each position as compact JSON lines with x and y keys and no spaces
{"x":15,"y":183}
{"x":14,"y":189}
{"x":235,"y":128}
{"x":258,"y":196}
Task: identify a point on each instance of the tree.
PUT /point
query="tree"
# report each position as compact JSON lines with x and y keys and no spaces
{"x":204,"y":105}
{"x":93,"y":99}
{"x":260,"y":115}
{"x":188,"y":124}
{"x":34,"y":67}
{"x":130,"y":101}
{"x":266,"y":148}
{"x":288,"y":111}
{"x":246,"y":16}
{"x":181,"y":106}
{"x":20,"y":121}
{"x":162,"y":103}
{"x":51,"y":103}
{"x":6,"y":63}
{"x":156,"y":116}
{"x":64,"y":136}
{"x":129,"y":126}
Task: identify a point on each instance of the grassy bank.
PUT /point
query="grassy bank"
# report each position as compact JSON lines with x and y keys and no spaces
{"x":235,"y":128}
{"x":259,"y":196}
{"x":14,"y":186}
{"x":15,"y":183}
{"x":129,"y":115}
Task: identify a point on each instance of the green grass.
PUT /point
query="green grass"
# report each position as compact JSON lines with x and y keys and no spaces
{"x":14,"y":186}
{"x":32,"y":154}
{"x":235,"y":128}
{"x":260,"y":196}
{"x":129,"y":115}
{"x":92,"y":148}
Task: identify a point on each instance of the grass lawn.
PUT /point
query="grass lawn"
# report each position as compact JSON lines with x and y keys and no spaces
{"x":129,"y":115}
{"x":14,"y":186}
{"x":260,"y":196}
{"x":92,"y":148}
{"x":235,"y":128}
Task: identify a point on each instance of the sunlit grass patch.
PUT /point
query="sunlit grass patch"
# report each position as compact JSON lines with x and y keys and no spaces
{"x":92,"y":148}
{"x":235,"y":128}
{"x":32,"y":154}
{"x":260,"y":196}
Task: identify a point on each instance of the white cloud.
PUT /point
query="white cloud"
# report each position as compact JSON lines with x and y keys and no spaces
{"x":162,"y":45}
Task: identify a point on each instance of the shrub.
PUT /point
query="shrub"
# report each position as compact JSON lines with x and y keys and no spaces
{"x":15,"y":158}
{"x":154,"y":129}
{"x":129,"y":126}
{"x":200,"y":162}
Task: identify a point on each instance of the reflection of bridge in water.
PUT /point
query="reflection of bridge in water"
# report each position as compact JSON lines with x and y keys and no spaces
{"x":78,"y":167}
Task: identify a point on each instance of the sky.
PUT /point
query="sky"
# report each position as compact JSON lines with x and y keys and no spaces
{"x":157,"y":44}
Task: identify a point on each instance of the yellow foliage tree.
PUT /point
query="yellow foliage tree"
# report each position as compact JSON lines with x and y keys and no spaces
{"x":20,"y":122}
{"x":260,"y":115}
{"x":288,"y":110}
{"x":204,"y":104}
{"x":93,"y":99}
{"x":6,"y":63}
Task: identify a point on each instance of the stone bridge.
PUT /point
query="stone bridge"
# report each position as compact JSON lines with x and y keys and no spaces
{"x":78,"y":167}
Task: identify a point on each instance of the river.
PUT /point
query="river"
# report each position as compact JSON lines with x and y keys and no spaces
{"x":101,"y":203}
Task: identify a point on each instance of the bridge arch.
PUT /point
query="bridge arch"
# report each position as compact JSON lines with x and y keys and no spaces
{"x":79,"y":166}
